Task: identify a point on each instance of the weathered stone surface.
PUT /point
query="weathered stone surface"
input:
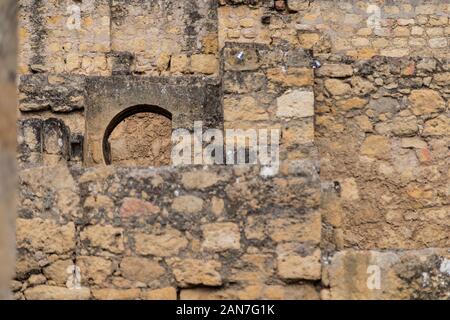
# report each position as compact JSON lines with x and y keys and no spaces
{"x":94,"y":270}
{"x":335,"y":71}
{"x":426,"y":101}
{"x":105,"y":238}
{"x":199,"y":180}
{"x":292,"y":77}
{"x":244,"y":109}
{"x":202,"y":63}
{"x":187,"y":204}
{"x":439,"y":126}
{"x":337,"y":87}
{"x":160,"y":294}
{"x":297,"y":5}
{"x":116,"y":294}
{"x":296,"y":104}
{"x":140,"y":269}
{"x":249,"y":61}
{"x":45,"y":235}
{"x":57,"y":293}
{"x":306,"y":229}
{"x":295,"y":266}
{"x":376,"y":147}
{"x":59,"y":271}
{"x":138,"y":208}
{"x":353,"y":103}
{"x":221,"y":237}
{"x":253,"y":292}
{"x":168,"y":243}
{"x":196,"y":272}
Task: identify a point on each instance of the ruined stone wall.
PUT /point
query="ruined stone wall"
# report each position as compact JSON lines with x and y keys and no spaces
{"x":191,"y":233}
{"x":360,"y":92}
{"x":8,"y":102}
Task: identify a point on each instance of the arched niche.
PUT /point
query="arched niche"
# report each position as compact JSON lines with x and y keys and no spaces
{"x":138,"y":136}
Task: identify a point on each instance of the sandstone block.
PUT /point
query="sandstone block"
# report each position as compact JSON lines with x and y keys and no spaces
{"x":57,"y":293}
{"x":160,"y":294}
{"x":376,"y":147}
{"x":439,"y":126}
{"x":244,"y":109}
{"x":296,"y":104}
{"x":137,"y":208}
{"x":105,"y":238}
{"x":166,"y":244}
{"x":335,"y":71}
{"x":352,"y":103}
{"x":116,"y":294}
{"x":179,"y":63}
{"x":204,"y":63}
{"x":305,"y":229}
{"x":426,"y":101}
{"x":298,"y":5}
{"x":196,"y":272}
{"x":141,"y":269}
{"x":199,"y":179}
{"x":350,"y":190}
{"x":353,"y":275}
{"x":94,"y":269}
{"x":292,"y":77}
{"x":294,"y":266}
{"x":58,"y":271}
{"x":221,"y":237}
{"x":187,"y":204}
{"x":241,"y":59}
{"x":337,"y":87}
{"x":308,"y":40}
{"x":45,"y":235}
{"x":298,"y":134}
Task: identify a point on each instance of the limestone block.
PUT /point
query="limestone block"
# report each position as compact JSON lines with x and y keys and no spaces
{"x":295,"y":266}
{"x":196,"y":272}
{"x":296,"y":104}
{"x":221,"y":237}
{"x":187,"y":204}
{"x":166,"y":244}
{"x":140,"y":269}
{"x":105,"y":238}
{"x":426,"y":101}
{"x":45,"y":235}
{"x":160,"y":294}
{"x":57,"y":293}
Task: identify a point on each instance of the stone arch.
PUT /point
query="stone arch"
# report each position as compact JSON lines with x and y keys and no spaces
{"x":124,"y":115}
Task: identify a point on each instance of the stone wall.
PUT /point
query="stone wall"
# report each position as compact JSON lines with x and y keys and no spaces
{"x":8,"y":102}
{"x":383,"y":129}
{"x":359,"y":91}
{"x":187,"y":232}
